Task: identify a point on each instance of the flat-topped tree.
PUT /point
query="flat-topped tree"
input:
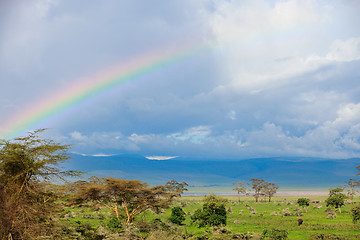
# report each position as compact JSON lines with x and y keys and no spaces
{"x":175,"y":189}
{"x":257,"y":185}
{"x":134,"y":196}
{"x":26,"y":203}
{"x":350,"y":186}
{"x":269,"y":189}
{"x":241,"y":187}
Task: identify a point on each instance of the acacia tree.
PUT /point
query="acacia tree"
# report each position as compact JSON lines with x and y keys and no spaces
{"x":336,"y":198}
{"x":257,"y":185}
{"x":26,"y":204}
{"x":269,"y":189}
{"x":133,"y":196}
{"x":241,"y":187}
{"x":350,"y":186}
{"x":175,"y":189}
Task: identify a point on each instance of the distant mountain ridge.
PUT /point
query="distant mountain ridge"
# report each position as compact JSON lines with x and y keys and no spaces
{"x":299,"y":173}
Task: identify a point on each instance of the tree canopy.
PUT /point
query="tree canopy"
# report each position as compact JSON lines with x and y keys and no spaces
{"x":26,"y":204}
{"x":134,"y":196}
{"x":241,"y":187}
{"x":336,"y":198}
{"x":257,"y":185}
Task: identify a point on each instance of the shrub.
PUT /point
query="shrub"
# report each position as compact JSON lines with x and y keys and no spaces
{"x":326,"y":236}
{"x":286,"y":212}
{"x":88,"y":232}
{"x":177,"y":215}
{"x":355,"y":213}
{"x":213,"y":212}
{"x":275,"y":234}
{"x":303,"y":202}
{"x":114,"y":224}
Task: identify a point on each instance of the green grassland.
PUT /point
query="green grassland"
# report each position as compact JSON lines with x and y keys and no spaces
{"x":243,"y":217}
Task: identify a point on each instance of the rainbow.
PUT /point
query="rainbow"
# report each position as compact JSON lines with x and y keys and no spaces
{"x":86,"y":88}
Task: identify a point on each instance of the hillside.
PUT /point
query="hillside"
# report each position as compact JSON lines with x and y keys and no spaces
{"x":205,"y":175}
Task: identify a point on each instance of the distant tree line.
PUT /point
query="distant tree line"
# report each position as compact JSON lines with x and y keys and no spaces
{"x":260,"y":186}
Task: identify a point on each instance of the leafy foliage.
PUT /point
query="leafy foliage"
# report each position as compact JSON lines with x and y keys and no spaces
{"x":327,"y":236}
{"x":355,"y":213}
{"x":241,"y":187}
{"x":175,"y":188}
{"x":275,"y":234}
{"x":269,"y":189}
{"x":257,"y":185}
{"x":133,"y":196}
{"x":336,"y":198}
{"x":213,"y":212}
{"x":177,"y":215}
{"x":27,"y":201}
{"x":350,"y":186}
{"x":303,"y":202}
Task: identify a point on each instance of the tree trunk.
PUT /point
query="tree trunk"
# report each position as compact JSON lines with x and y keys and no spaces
{"x":117,"y":213}
{"x":127,"y":212}
{"x":339,"y":209}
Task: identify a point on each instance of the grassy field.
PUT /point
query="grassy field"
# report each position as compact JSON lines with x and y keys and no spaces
{"x":246,"y":216}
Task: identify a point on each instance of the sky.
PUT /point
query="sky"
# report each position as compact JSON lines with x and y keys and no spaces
{"x":225,"y":79}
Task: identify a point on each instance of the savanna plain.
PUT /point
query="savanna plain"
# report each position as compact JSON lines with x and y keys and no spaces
{"x":246,"y":219}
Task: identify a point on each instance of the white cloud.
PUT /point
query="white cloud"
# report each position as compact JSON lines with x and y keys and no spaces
{"x":348,"y":115}
{"x":267,"y":45}
{"x":141,"y":138}
{"x":195,"y":135}
{"x":98,"y":141}
{"x":77,"y":136}
{"x":345,"y":50}
{"x":232,"y":115}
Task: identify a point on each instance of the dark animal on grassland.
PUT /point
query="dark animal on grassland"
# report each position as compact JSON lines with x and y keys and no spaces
{"x":300,"y":221}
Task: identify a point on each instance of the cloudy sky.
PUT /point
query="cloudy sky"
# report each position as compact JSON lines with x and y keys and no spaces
{"x":277,"y":78}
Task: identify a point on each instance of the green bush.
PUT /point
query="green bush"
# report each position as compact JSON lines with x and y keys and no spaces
{"x":114,"y":225}
{"x":326,"y":236}
{"x":355,"y":213}
{"x":303,"y":202}
{"x":88,"y":232}
{"x":213,"y":212}
{"x":177,"y":215}
{"x":275,"y":234}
